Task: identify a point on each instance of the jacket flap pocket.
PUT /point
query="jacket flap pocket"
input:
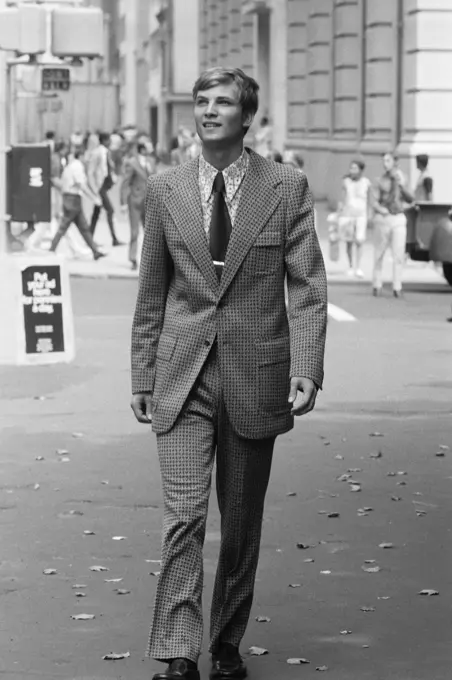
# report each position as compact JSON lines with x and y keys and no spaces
{"x":268,"y":238}
{"x":166,"y":347}
{"x":273,"y":351}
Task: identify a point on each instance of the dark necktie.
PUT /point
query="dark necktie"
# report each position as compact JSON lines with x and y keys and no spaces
{"x":220,"y":225}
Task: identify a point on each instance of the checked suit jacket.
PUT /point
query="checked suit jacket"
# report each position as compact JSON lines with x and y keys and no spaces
{"x":182,"y":307}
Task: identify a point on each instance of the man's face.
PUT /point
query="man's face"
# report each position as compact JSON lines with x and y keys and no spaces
{"x":219,"y":116}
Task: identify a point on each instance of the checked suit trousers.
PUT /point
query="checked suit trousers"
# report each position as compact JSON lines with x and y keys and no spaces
{"x":186,"y":455}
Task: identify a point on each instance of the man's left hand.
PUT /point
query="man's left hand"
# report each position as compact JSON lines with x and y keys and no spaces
{"x":302,"y":396}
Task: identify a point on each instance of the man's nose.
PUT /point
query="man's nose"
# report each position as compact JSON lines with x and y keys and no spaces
{"x":211,"y":109}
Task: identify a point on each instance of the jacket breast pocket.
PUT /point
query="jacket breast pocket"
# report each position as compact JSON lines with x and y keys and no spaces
{"x":273,"y":375}
{"x":265,"y":253}
{"x":165,"y":350}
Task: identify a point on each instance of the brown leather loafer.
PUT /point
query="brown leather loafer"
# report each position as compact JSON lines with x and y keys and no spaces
{"x":178,"y":669}
{"x":227,"y":664}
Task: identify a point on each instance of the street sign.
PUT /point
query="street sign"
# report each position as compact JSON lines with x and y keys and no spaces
{"x":55,"y":79}
{"x":43,"y":309}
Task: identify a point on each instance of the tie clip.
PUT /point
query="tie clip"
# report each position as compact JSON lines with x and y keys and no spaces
{"x":219,"y":263}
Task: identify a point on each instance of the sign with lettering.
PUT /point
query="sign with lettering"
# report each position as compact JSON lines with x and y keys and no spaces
{"x":55,"y":79}
{"x":43,"y":309}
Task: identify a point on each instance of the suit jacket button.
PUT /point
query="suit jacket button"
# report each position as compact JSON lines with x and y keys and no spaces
{"x":207,"y":343}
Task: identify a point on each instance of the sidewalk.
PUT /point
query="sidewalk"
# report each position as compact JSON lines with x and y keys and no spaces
{"x":116,"y":264}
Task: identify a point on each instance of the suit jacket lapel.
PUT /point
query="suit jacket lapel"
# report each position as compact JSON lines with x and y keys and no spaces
{"x":258,"y":201}
{"x":184,"y":205}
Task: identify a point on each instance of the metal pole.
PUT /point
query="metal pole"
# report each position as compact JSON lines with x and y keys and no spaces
{"x":4,"y":117}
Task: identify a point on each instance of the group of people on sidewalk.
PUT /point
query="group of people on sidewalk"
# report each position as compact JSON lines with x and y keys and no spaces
{"x":386,"y":206}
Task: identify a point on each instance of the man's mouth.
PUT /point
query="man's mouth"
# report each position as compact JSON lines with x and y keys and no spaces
{"x":211,"y":125}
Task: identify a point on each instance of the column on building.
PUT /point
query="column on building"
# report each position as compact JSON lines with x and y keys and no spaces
{"x":427,"y":90}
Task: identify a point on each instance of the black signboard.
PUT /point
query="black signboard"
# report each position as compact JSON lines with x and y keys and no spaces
{"x":55,"y":79}
{"x":43,"y":309}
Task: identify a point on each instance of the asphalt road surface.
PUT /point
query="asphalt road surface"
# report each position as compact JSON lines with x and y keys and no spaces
{"x":388,"y":373}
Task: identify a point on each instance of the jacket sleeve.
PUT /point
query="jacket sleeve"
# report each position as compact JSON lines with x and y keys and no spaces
{"x":155,"y":276}
{"x":306,"y":285}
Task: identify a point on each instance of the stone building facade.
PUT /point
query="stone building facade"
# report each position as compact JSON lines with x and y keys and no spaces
{"x":342,"y":79}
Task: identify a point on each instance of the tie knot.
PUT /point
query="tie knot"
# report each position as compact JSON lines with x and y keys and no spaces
{"x":218,"y":183}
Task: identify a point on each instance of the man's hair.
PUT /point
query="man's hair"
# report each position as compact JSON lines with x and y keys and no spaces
{"x":361,"y":165}
{"x":393,"y":154}
{"x":50,"y":134}
{"x":104,"y":137}
{"x":422,"y":160}
{"x":142,"y":147}
{"x":247,"y":86}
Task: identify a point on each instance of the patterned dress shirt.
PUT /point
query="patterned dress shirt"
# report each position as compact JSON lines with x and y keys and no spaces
{"x":233,"y":180}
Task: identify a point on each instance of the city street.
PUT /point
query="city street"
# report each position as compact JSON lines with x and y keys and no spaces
{"x":69,"y":429}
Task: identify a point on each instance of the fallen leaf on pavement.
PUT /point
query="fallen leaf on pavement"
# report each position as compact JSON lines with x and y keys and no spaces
{"x":346,"y":632}
{"x":294,"y":585}
{"x":83,"y":617}
{"x":98,"y":568}
{"x":78,"y":435}
{"x":322,"y":668}
{"x":80,"y":594}
{"x":39,"y":458}
{"x":428,"y":592}
{"x":396,"y":498}
{"x":369,"y":561}
{"x":386,"y":546}
{"x":119,"y":538}
{"x":371,"y":570}
{"x":154,"y":573}
{"x":391,"y":474}
{"x":121,"y":591}
{"x":384,"y":597}
{"x":297,"y":661}
{"x":75,"y":512}
{"x":354,"y":469}
{"x":257,"y":651}
{"x":89,"y":533}
{"x":309,"y":559}
{"x":326,"y":572}
{"x":112,"y":580}
{"x":304,"y":546}
{"x":365,"y":646}
{"x":115,"y":657}
{"x":444,"y":447}
{"x":62,"y":452}
{"x":263,"y":619}
{"x":65,"y":460}
{"x":376,"y":434}
{"x":322,"y":512}
{"x":440,"y":453}
{"x":36,"y":487}
{"x":376,"y":454}
{"x":49,"y":572}
{"x":402,"y":472}
{"x":339,"y":457}
{"x":105,"y":481}
{"x":291,"y":493}
{"x":78,"y":586}
{"x":333,"y":514}
{"x":355,"y":488}
{"x":326,"y":443}
{"x":154,"y":561}
{"x":343,"y":478}
{"x":367,"y":609}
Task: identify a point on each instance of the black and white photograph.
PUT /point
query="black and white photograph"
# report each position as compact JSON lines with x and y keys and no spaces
{"x":225,"y":339}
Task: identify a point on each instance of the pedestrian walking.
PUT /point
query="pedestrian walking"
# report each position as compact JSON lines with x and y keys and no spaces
{"x":137,"y":169}
{"x":219,"y":365}
{"x":101,"y":177}
{"x":73,"y":186}
{"x":390,"y":224}
{"x":353,"y":215}
{"x":423,"y":190}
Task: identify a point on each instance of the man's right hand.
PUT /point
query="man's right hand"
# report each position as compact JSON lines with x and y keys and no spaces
{"x":141,"y":406}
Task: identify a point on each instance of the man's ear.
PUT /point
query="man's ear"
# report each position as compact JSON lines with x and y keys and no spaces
{"x":247,"y":119}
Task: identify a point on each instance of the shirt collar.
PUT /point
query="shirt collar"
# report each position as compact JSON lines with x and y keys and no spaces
{"x":233,"y":175}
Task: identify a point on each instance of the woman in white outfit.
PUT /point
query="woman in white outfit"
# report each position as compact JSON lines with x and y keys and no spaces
{"x":353,"y":214}
{"x":392,"y":200}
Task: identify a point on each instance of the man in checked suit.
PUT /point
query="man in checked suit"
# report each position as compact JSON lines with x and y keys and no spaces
{"x":220,"y":366}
